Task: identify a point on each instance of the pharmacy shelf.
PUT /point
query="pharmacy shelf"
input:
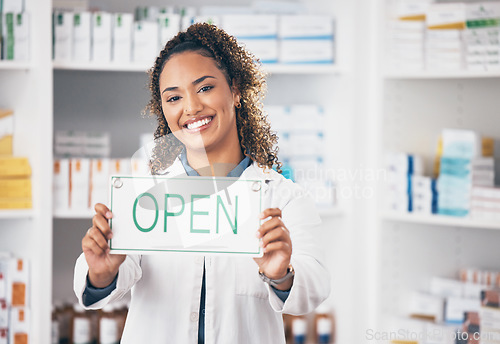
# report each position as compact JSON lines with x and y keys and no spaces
{"x":441,"y":220}
{"x":17,"y":214}
{"x":14,"y":65}
{"x":66,"y":214}
{"x":457,"y":74}
{"x":329,"y":69}
{"x":109,"y":67}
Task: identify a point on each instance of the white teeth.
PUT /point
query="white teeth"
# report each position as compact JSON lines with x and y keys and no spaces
{"x":199,"y":123}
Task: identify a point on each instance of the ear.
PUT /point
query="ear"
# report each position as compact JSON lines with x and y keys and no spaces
{"x":236,"y":94}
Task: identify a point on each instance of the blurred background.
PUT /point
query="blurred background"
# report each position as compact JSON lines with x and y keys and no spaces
{"x":386,"y":112}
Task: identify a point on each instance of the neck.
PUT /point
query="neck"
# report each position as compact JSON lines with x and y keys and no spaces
{"x":217,"y":164}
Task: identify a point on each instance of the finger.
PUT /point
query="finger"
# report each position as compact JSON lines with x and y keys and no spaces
{"x":89,"y":245}
{"x":277,"y":234}
{"x":270,"y":212}
{"x":96,"y":235}
{"x":103,"y":210}
{"x":269,"y":225}
{"x":278,"y":246}
{"x":102,"y":224}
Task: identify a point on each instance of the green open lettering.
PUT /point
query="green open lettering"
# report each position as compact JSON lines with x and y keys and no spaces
{"x":234,"y":226}
{"x":167,"y":213}
{"x":142,"y":229}
{"x":193,"y":213}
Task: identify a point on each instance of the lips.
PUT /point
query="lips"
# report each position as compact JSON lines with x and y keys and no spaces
{"x":197,"y":124}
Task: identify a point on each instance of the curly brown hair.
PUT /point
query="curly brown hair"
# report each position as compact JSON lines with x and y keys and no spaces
{"x":240,"y":67}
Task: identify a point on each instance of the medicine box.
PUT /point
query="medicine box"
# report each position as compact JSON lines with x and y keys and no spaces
{"x":6,"y":131}
{"x":18,"y":36}
{"x":456,"y":306}
{"x":145,"y":41}
{"x":427,"y":305}
{"x":61,"y":185}
{"x":18,"y":283}
{"x":101,"y":37}
{"x":79,"y":184}
{"x":99,"y":181}
{"x":265,"y":50}
{"x":446,"y":16}
{"x":19,"y":329}
{"x":169,"y":25}
{"x":82,"y":22}
{"x":251,"y":26}
{"x":306,"y":51}
{"x":122,"y":37}
{"x":63,"y":36}
{"x":306,"y":26}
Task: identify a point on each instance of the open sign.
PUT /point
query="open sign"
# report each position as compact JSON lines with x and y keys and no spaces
{"x":185,"y":214}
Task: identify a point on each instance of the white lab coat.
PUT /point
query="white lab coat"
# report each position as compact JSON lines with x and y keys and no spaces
{"x":240,"y":308}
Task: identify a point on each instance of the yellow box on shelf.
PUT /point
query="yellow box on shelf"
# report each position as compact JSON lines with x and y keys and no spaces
{"x":6,"y":131}
{"x":14,"y":167}
{"x":15,"y":203}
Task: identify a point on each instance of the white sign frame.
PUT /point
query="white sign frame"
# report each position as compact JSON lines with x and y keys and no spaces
{"x":247,"y":238}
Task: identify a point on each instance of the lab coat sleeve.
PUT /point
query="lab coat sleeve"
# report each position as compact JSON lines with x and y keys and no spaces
{"x":311,"y":284}
{"x":128,"y":274}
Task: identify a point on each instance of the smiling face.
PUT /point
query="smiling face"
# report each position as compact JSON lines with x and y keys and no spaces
{"x":199,"y":104}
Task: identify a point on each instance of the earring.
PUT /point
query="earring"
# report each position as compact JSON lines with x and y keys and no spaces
{"x":238,"y":105}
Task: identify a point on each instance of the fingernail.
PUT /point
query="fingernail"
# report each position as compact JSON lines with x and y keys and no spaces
{"x":261,"y":244}
{"x":257,"y":234}
{"x":262,"y":216}
{"x":109,"y":215}
{"x":110,"y":235}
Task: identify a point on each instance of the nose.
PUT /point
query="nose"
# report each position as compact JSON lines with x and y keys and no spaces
{"x":192,"y":104}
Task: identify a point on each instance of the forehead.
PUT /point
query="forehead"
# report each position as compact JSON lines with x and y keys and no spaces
{"x":188,"y":66}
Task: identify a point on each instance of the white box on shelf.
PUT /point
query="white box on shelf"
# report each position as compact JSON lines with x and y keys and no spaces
{"x":79,"y":190}
{"x":63,"y":36}
{"x":456,"y":306}
{"x":411,"y":9}
{"x":306,"y":26}
{"x":4,"y":317}
{"x":120,"y":166}
{"x":15,"y":6}
{"x":279,"y":116}
{"x":426,"y":305}
{"x":99,"y":181}
{"x":251,"y":26}
{"x":473,"y":290}
{"x":122,"y":37}
{"x":61,"y":185}
{"x":169,"y":24}
{"x":19,"y":329}
{"x":82,"y":33}
{"x":446,"y":287}
{"x":101,"y":37}
{"x":306,"y":51}
{"x":314,"y":114}
{"x":18,"y":283}
{"x":22,"y":37}
{"x":145,"y":42}
{"x":446,"y":15}
{"x":266,"y":50}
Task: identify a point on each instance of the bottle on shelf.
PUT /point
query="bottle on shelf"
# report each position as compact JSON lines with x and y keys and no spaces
{"x":81,"y":329}
{"x":299,"y":330}
{"x":109,"y":325}
{"x":54,"y":333}
{"x":324,"y":325}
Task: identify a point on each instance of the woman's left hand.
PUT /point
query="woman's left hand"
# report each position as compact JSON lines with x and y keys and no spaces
{"x":277,"y":247}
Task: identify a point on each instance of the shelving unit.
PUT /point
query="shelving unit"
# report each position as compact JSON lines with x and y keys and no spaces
{"x":439,"y":220}
{"x":460,"y":74}
{"x":17,"y":214}
{"x":409,"y":109}
{"x":269,"y":68}
{"x":26,"y":88}
{"x":15,"y":65}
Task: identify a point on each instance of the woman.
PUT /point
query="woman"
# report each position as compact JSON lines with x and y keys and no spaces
{"x":206,"y":93}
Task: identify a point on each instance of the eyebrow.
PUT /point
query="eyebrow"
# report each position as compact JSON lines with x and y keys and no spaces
{"x":196,"y":82}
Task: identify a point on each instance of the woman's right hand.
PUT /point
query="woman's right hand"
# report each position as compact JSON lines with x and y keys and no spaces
{"x":103,"y":267}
